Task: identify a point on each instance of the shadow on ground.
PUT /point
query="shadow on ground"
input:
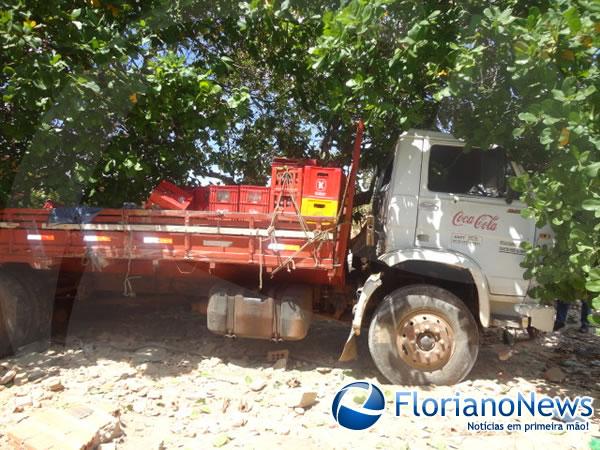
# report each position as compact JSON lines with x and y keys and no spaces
{"x":162,"y":339}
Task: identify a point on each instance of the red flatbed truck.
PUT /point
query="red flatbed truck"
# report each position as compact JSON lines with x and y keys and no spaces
{"x":287,"y":263}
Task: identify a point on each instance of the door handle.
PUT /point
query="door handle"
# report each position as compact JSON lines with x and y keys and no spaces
{"x":429,"y":205}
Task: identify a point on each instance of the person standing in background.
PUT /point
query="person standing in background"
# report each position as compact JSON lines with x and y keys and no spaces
{"x":562,"y":309}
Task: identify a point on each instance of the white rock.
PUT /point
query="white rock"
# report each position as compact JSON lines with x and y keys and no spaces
{"x":139,"y":406}
{"x":108,"y":446}
{"x":258,"y":385}
{"x":237,"y":420}
{"x":154,"y":394}
{"x":21,"y":403}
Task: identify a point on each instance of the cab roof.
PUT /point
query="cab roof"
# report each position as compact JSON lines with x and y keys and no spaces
{"x":429,"y":134}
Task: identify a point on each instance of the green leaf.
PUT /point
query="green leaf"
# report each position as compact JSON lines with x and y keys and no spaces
{"x":528,"y":117}
{"x":593,"y":282}
{"x":592,"y":170}
{"x":91,"y":85}
{"x":593,"y":285}
{"x":591,"y":205}
{"x":573,"y":20}
{"x":220,"y":440}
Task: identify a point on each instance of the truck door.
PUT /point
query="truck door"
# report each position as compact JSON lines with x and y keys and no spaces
{"x":462,"y":207}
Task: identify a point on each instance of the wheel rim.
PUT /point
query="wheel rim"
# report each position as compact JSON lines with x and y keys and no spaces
{"x":425,"y":339}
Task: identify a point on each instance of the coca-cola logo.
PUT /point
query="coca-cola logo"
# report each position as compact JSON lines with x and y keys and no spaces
{"x":482,"y":222}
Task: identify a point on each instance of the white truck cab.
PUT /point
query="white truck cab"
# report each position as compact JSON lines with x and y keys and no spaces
{"x":446,"y":260}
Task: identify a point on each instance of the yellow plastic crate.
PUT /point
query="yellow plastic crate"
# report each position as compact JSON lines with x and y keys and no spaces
{"x":316,"y":207}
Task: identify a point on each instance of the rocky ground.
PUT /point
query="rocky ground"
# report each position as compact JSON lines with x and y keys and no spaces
{"x":173,"y":384}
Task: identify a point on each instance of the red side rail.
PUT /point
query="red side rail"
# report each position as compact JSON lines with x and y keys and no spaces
{"x":27,"y":236}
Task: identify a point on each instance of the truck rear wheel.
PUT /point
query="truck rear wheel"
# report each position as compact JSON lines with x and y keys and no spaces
{"x":16,"y":314}
{"x":423,"y":334}
{"x":41,"y":297}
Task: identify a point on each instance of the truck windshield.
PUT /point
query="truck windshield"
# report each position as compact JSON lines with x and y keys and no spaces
{"x":474,"y":172}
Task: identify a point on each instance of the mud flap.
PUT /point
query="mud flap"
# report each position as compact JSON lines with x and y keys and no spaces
{"x":349,"y":353}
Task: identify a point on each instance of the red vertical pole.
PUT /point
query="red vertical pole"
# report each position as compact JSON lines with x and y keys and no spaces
{"x":345,"y":226}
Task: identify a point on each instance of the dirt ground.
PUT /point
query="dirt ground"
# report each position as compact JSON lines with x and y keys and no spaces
{"x":176,"y":385}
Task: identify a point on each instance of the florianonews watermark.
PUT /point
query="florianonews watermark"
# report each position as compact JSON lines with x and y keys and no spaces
{"x":523,"y":411}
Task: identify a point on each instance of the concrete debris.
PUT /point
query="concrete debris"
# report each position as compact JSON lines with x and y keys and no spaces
{"x":302,"y":400}
{"x":555,"y":375}
{"x":54,"y":429}
{"x":8,"y":376}
{"x":280,"y":364}
{"x":275,"y":355}
{"x":54,"y":384}
{"x":227,"y":395}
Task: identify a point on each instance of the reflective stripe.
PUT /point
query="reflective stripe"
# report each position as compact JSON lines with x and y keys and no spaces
{"x":97,"y":239}
{"x":40,"y":237}
{"x":291,"y":247}
{"x":157,"y":240}
{"x":291,"y":234}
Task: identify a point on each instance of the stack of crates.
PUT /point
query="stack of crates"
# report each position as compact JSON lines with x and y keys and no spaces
{"x":286,"y":183}
{"x":223,"y":198}
{"x":254,"y":199}
{"x":321,"y":191}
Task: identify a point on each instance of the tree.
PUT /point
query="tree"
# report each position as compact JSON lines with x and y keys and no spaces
{"x":529,"y":80}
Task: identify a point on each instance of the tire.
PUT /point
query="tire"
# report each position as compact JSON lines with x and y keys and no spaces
{"x":16,"y":314}
{"x":423,"y":334}
{"x":41,"y":296}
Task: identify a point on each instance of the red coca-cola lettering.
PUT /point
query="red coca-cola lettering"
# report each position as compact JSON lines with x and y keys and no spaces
{"x":482,"y":222}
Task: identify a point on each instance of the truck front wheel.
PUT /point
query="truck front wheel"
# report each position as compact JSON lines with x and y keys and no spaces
{"x":423,"y":334}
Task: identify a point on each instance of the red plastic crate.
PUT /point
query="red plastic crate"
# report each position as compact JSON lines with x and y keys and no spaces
{"x":200,"y":203}
{"x":168,"y":196}
{"x":224,"y":198}
{"x":322,"y":182}
{"x":282,"y":191}
{"x":254,"y":199}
